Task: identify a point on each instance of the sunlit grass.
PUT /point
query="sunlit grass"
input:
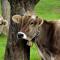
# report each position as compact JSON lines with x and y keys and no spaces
{"x":34,"y":54}
{"x":3,"y":40}
{"x":48,"y":9}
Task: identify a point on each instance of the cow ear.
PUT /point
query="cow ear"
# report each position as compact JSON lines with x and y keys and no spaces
{"x":16,"y":18}
{"x":41,"y":22}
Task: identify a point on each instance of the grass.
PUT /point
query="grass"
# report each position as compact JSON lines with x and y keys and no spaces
{"x":3,"y":40}
{"x":48,"y":9}
{"x":34,"y":54}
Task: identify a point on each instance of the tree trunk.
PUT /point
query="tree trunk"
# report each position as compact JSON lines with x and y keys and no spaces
{"x":17,"y":49}
{"x":0,"y":8}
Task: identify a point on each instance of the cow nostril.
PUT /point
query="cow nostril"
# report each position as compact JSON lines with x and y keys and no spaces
{"x":20,"y":35}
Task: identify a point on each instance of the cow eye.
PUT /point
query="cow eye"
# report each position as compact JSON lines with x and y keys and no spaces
{"x":32,"y":23}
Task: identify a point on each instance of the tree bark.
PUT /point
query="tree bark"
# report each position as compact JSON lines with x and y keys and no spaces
{"x":17,"y":49}
{"x":0,"y":8}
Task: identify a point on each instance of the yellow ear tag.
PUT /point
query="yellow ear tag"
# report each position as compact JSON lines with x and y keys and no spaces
{"x":29,"y":43}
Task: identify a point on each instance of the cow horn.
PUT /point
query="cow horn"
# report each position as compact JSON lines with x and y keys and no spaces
{"x":41,"y":22}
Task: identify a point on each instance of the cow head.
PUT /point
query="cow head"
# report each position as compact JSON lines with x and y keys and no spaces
{"x":29,"y":26}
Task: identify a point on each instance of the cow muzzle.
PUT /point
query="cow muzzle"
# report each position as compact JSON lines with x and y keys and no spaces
{"x":23,"y":36}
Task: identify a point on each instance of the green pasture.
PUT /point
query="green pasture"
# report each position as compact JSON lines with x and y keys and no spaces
{"x":3,"y":41}
{"x":46,"y":9}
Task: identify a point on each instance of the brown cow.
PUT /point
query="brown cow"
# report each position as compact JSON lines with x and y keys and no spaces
{"x":3,"y":26}
{"x":46,"y":34}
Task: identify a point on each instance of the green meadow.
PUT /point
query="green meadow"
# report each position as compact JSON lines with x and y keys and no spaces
{"x":46,"y":9}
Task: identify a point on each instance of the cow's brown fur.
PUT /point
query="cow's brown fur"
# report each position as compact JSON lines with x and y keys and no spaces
{"x":50,"y":38}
